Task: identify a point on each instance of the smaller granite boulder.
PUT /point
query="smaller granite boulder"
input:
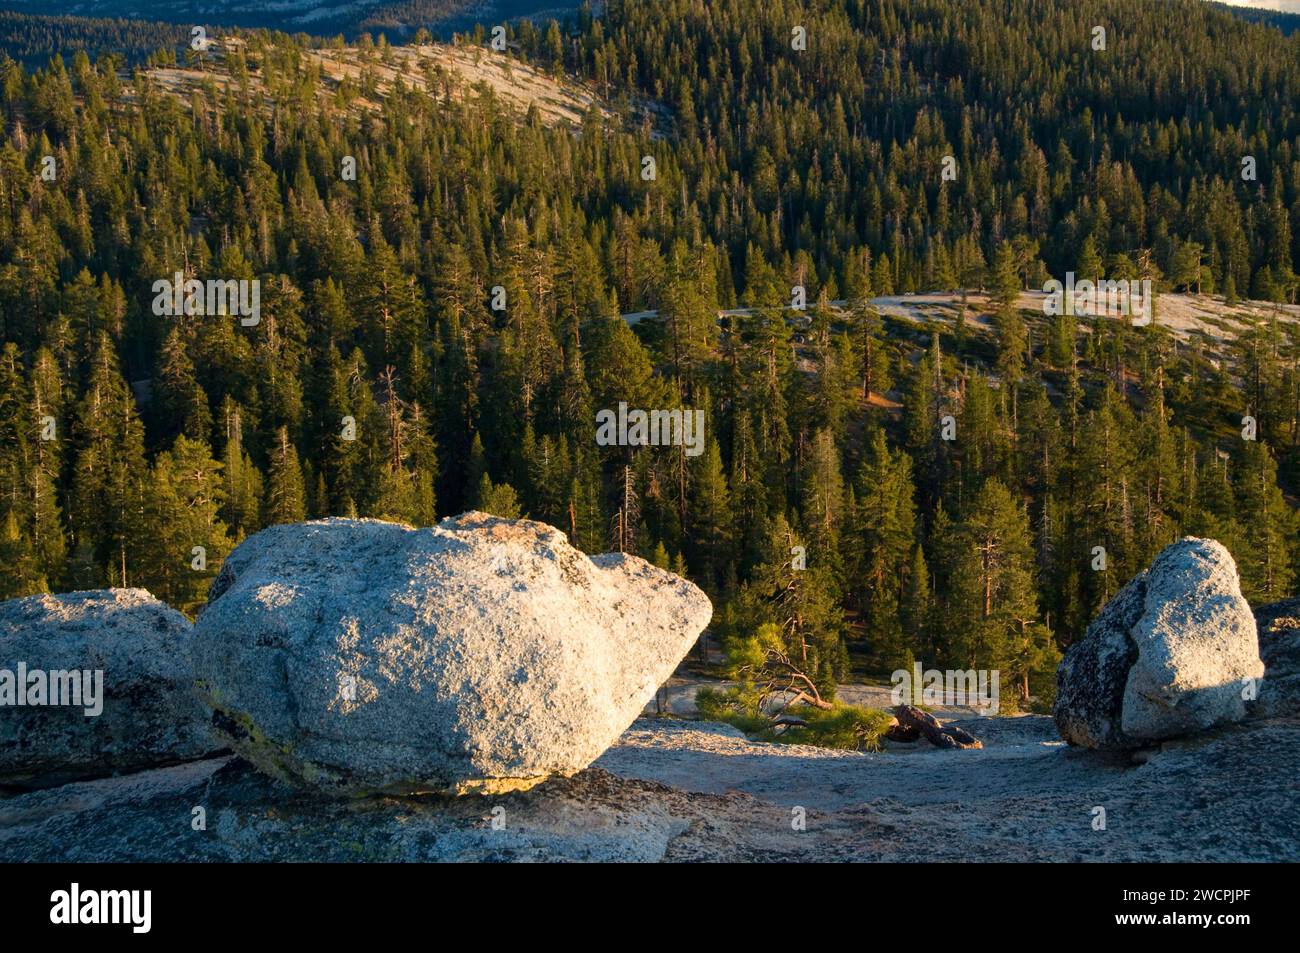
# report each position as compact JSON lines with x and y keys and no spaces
{"x":92,"y":684}
{"x":1172,"y":654}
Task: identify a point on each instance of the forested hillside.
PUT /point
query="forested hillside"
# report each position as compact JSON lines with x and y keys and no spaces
{"x":346,"y":18}
{"x":128,"y":438}
{"x":1286,"y":22}
{"x":34,"y":39}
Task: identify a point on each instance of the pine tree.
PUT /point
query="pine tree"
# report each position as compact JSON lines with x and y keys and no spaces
{"x":918,"y":609}
{"x":183,"y":538}
{"x":822,"y":491}
{"x":497,"y":499}
{"x":107,"y":498}
{"x":885,"y":523}
{"x":21,"y":576}
{"x":241,"y":479}
{"x":709,"y":519}
{"x":15,"y":456}
{"x":992,"y":602}
{"x":660,"y":557}
{"x":181,"y":402}
{"x":285,"y":498}
{"x":48,"y":546}
{"x":1006,"y":278}
{"x":801,"y":604}
{"x":872,"y":357}
{"x":1089,"y":266}
{"x":1063,"y":332}
{"x":1266,"y":558}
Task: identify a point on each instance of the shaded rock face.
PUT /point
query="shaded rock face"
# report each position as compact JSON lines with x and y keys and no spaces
{"x":1092,"y":676}
{"x":1279,"y":648}
{"x":148,"y":714}
{"x":483,"y":654}
{"x":1170,"y":655}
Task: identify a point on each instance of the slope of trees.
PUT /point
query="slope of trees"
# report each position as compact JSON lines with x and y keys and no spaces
{"x":34,"y":39}
{"x":830,"y":502}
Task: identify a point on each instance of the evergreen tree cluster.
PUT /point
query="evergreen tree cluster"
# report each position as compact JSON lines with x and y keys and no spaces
{"x":829,"y":504}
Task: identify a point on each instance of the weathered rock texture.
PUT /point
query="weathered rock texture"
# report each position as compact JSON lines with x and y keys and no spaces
{"x":483,"y":654}
{"x":1279,"y":648}
{"x":1170,"y":655}
{"x":151,"y":715}
{"x":690,"y":791}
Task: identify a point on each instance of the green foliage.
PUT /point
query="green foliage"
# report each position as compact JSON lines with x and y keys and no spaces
{"x":498,"y":499}
{"x":775,"y":700}
{"x":733,"y":706}
{"x":849,"y":727}
{"x":793,"y":618}
{"x":774,"y":170}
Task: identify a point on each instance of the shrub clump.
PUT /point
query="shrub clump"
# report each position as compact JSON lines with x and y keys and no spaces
{"x":848,"y":727}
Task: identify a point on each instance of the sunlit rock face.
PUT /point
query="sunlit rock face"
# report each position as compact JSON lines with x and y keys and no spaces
{"x":481,"y":654}
{"x":1175,"y":652}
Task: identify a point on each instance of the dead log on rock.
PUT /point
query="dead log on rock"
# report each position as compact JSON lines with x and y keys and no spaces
{"x":899,"y":732}
{"x":912,"y":722}
{"x":789,"y":721}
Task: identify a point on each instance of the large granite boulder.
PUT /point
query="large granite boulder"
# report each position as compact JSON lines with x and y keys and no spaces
{"x":483,"y":654}
{"x":1279,"y":648}
{"x":1175,"y":652}
{"x":95,"y":683}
